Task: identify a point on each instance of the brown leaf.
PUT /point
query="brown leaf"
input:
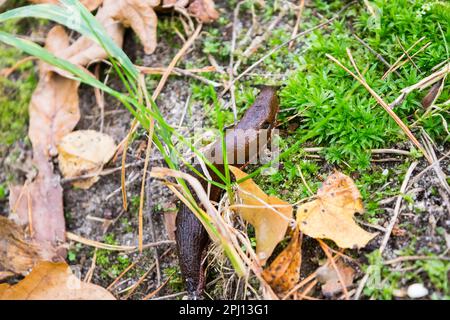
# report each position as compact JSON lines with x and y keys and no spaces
{"x":330,"y":216}
{"x":42,"y":201}
{"x":84,"y":50}
{"x":433,"y":94}
{"x":53,"y":112}
{"x":54,"y":107}
{"x":284,"y":272}
{"x":53,"y":281}
{"x":203,"y":10}
{"x":328,"y":276}
{"x":84,"y":152}
{"x":19,"y":254}
{"x":89,"y":4}
{"x":270,"y":226}
{"x":138,"y":14}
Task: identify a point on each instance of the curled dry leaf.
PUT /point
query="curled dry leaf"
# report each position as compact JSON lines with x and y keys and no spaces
{"x":330,"y":216}
{"x":284,"y":272}
{"x":89,"y":4}
{"x":329,"y":278}
{"x":113,"y":16}
{"x":18,"y":254}
{"x":270,"y":222}
{"x":84,"y":152}
{"x":53,"y":113}
{"x":53,"y":281}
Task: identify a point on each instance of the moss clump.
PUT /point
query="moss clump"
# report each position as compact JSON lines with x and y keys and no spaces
{"x":355,"y":123}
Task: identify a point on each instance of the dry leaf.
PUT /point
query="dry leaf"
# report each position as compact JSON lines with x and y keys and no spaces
{"x":433,"y":94}
{"x":17,"y":253}
{"x":53,"y":112}
{"x":328,"y":276}
{"x":203,"y":10}
{"x":284,"y":272}
{"x":270,"y":226}
{"x":140,"y":16}
{"x":54,"y":108}
{"x":84,"y":152}
{"x":53,"y":281}
{"x":113,"y":16}
{"x":330,"y":216}
{"x":89,"y":4}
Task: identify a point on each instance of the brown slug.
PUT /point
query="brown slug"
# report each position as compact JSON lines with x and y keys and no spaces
{"x":191,"y":237}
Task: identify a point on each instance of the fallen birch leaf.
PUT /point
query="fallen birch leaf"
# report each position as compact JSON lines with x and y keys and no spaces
{"x":84,"y":152}
{"x":53,"y":281}
{"x":270,"y":223}
{"x":19,"y":254}
{"x":329,"y":278}
{"x":330,"y":216}
{"x":284,"y":272}
{"x":89,"y":4}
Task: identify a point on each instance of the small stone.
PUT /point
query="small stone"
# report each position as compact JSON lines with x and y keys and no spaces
{"x":417,"y":290}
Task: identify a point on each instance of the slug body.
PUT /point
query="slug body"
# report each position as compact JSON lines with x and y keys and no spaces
{"x":192,"y":238}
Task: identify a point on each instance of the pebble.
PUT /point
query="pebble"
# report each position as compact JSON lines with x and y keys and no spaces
{"x":417,"y":290}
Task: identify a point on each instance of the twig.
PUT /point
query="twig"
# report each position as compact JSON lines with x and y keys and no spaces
{"x":391,"y":225}
{"x":297,"y":22}
{"x":272,"y":51}
{"x":414,"y":258}
{"x":376,"y":54}
{"x":397,"y":206}
{"x":111,"y":247}
{"x":380,"y":101}
{"x":155,"y":292}
{"x":122,"y":274}
{"x":394,"y":66}
{"x":335,"y":267}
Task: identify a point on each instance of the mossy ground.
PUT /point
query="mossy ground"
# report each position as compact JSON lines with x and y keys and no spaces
{"x":317,"y":98}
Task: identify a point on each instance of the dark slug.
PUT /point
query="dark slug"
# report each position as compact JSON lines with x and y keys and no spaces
{"x":191,"y":237}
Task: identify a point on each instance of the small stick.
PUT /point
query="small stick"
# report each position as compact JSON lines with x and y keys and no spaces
{"x":394,"y":66}
{"x":376,"y":54}
{"x":297,"y":22}
{"x":414,"y":258}
{"x":333,"y":263}
{"x":90,"y":273}
{"x":122,"y":274}
{"x":155,"y":292}
{"x":111,"y":247}
{"x":390,"y":226}
{"x":277,"y":48}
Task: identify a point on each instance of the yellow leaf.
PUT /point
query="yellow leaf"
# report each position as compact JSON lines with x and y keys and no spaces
{"x":84,"y":152}
{"x":269,"y":215}
{"x":53,"y":281}
{"x":330,"y":216}
{"x":284,"y":272}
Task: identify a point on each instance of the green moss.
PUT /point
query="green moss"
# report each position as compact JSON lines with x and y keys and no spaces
{"x":15,"y":92}
{"x":111,"y":263}
{"x":359,"y":124}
